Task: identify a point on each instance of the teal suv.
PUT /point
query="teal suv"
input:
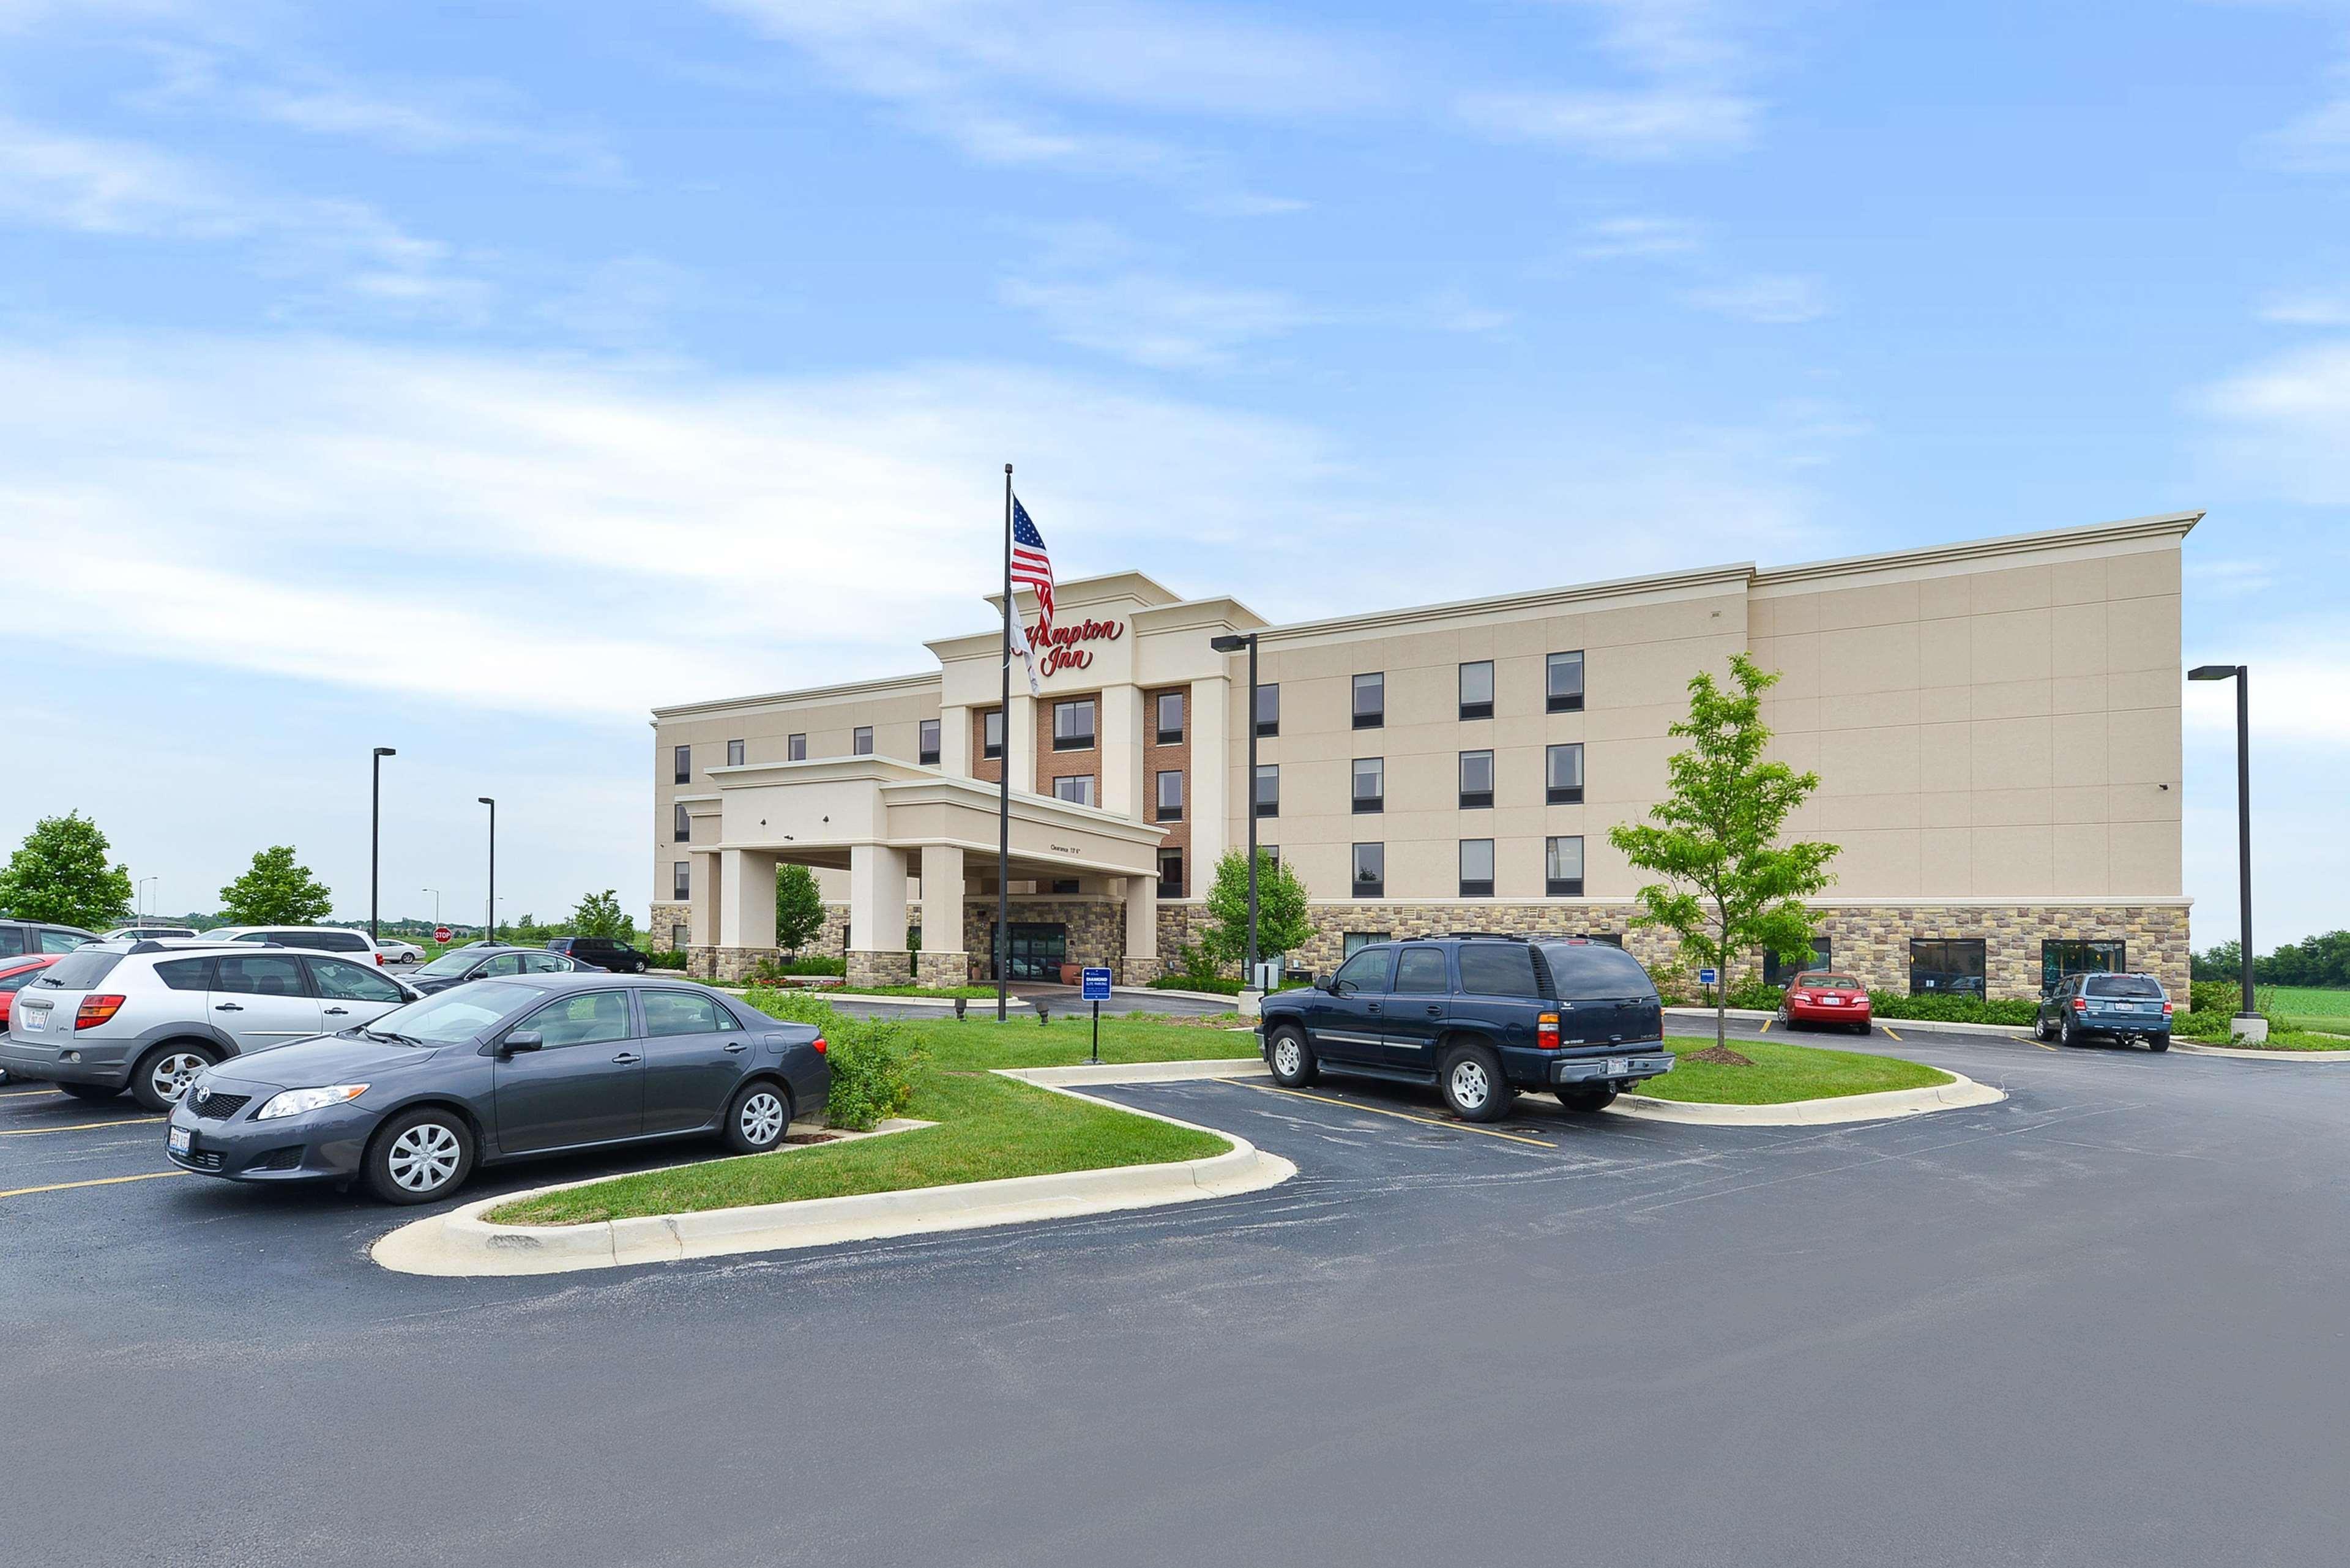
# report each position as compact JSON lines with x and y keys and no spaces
{"x":2118,"y":1007}
{"x":1480,"y":1017}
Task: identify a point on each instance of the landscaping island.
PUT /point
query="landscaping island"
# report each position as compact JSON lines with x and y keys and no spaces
{"x":1773,"y":1073}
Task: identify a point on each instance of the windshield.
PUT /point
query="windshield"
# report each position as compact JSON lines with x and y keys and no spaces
{"x":454,"y":1017}
{"x":456,"y":962}
{"x":2124,"y":985}
{"x":80,"y":970}
{"x":1827,"y":982}
{"x":1595,"y":968}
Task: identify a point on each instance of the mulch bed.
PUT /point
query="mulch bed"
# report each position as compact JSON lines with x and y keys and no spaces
{"x":1722,"y":1054}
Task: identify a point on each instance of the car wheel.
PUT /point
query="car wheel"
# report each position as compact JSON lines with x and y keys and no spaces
{"x":1291,"y":1059}
{"x":423,"y":1155}
{"x":2065,"y":1031}
{"x":163,"y":1074}
{"x":639,"y":966}
{"x":2157,"y":1043}
{"x":757,"y":1119}
{"x":1585,"y":1097}
{"x":2039,"y":1027}
{"x":1474,"y":1089}
{"x":96,"y":1094}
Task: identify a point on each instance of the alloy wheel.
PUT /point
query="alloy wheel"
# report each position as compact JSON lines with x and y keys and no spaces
{"x":762,"y":1120}
{"x":172,"y":1072}
{"x":1287,"y":1059}
{"x":1469,"y":1084}
{"x":424,"y":1157}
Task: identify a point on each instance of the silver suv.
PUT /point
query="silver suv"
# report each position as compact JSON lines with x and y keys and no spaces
{"x":150,"y":1015}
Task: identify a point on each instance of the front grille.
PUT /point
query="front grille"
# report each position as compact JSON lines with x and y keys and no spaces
{"x":219,"y":1108}
{"x":200,"y":1160}
{"x":286,"y":1159}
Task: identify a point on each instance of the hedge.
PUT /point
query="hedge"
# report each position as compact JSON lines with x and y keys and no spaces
{"x":872,"y":1058}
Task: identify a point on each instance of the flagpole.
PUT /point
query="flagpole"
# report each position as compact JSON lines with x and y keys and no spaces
{"x":1003,"y":779}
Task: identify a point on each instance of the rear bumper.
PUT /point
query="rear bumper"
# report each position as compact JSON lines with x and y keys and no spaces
{"x":101,"y":1061}
{"x":1813,"y":1012}
{"x":1630,"y":1065}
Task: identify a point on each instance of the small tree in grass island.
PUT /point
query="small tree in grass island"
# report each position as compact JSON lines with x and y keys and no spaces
{"x":799,"y":908}
{"x":600,"y":915}
{"x":1731,"y":885}
{"x":59,"y":873}
{"x":274,"y":891}
{"x":1281,"y":924}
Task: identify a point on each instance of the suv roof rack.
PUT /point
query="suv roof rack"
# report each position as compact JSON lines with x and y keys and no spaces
{"x":1513,"y":937}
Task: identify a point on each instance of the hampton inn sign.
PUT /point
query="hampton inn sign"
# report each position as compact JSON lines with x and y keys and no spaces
{"x":1995,"y":724}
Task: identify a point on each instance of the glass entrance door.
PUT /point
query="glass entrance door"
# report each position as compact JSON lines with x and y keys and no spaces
{"x":1037,"y":950}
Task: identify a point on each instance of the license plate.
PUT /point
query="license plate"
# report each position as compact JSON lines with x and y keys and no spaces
{"x":180,"y":1140}
{"x":1619,"y":1066}
{"x":37,"y":1019}
{"x":1831,"y":1001}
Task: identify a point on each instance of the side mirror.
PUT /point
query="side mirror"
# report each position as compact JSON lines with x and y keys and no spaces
{"x":521,"y":1040}
{"x":1341,"y":988}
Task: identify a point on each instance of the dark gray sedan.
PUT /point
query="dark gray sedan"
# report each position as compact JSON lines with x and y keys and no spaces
{"x":502,"y":1069}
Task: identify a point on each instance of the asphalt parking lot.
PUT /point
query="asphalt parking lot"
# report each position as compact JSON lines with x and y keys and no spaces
{"x":2100,"y":1323}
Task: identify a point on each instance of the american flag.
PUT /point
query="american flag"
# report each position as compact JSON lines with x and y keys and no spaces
{"x":1031,"y":566}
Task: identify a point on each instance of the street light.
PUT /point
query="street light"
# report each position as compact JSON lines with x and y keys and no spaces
{"x":436,"y":905}
{"x":375,"y":841}
{"x":138,"y":899}
{"x":493,"y":932}
{"x":1232,"y":642}
{"x":2242,"y":676}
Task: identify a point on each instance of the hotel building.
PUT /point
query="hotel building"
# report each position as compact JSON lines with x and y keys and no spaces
{"x":1995,"y":725}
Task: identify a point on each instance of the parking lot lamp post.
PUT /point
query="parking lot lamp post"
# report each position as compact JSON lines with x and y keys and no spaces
{"x":492,"y":934}
{"x":139,"y":902}
{"x":375,"y":842}
{"x":436,"y":905}
{"x":2242,"y":676}
{"x":1233,"y":642}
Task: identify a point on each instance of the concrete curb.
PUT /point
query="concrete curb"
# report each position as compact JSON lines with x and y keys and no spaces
{"x":460,"y":1243}
{"x":1960,"y":1092}
{"x":1904,"y":1025}
{"x":1231,"y":1003}
{"x":972,"y":1003}
{"x":2241,"y":1054}
{"x":1086,"y":1072}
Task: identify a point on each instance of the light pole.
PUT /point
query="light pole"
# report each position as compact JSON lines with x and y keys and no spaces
{"x":138,"y":899}
{"x":436,"y":905}
{"x":492,"y":934}
{"x":2242,"y":676}
{"x":375,"y":842}
{"x":1233,"y":642}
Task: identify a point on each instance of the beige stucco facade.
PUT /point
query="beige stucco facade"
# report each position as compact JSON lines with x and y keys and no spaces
{"x":1995,"y":725}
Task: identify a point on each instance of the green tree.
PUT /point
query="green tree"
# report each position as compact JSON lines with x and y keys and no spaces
{"x":59,"y":873}
{"x":600,"y":915}
{"x":1282,"y":923}
{"x":2223,"y":962}
{"x":1732,"y":885}
{"x":274,"y":891}
{"x":799,"y":908}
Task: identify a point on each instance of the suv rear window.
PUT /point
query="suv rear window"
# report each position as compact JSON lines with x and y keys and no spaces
{"x":186,"y":974}
{"x":1595,"y":968}
{"x":322,"y":941}
{"x":79,"y":971}
{"x":2124,"y":985}
{"x":1498,"y":969}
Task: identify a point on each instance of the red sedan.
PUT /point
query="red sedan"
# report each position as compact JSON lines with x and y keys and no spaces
{"x":1819,"y":996}
{"x":15,"y":975}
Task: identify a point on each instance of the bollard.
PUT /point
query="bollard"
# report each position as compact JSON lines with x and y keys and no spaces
{"x":1044,"y":1014}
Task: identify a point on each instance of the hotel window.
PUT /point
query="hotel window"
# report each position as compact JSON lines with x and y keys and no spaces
{"x":1066,"y":885}
{"x":1562,"y":775}
{"x":1371,"y":700}
{"x":1476,"y":867}
{"x":861,"y":741}
{"x":1370,"y":870}
{"x":1073,"y":725}
{"x":1563,"y":867}
{"x":991,"y":734}
{"x":1170,"y":797}
{"x":1562,"y":682}
{"x":1778,"y":971}
{"x":1269,"y":853}
{"x":1477,"y":689}
{"x":926,"y":743}
{"x":1169,"y":718}
{"x":680,"y":824}
{"x":683,"y":758}
{"x":1077,"y":789}
{"x":1352,"y":942}
{"x":1476,"y":780}
{"x":795,"y":748}
{"x":1370,"y":785}
{"x":680,"y":879}
{"x":681,"y":937}
{"x":734,"y":753}
{"x":1268,"y":789}
{"x":1268,"y":710}
{"x":1170,"y":873}
{"x":1946,"y":966}
{"x":2059,"y":959}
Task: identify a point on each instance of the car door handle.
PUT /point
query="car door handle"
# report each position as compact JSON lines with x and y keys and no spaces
{"x":1370,"y":1007}
{"x":736,"y":1048}
{"x":1435,"y":1010}
{"x":230,"y":1007}
{"x":625,"y":1057}
{"x":336,"y":1012}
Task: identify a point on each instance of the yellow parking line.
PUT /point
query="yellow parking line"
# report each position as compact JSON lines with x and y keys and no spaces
{"x":1401,"y":1116}
{"x":27,"y":1094}
{"x":1889,"y":1031}
{"x":100,"y":1182}
{"x":79,"y":1126}
{"x":1766,"y":1027}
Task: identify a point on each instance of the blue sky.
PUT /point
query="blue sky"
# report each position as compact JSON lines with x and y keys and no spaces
{"x":469,"y":380}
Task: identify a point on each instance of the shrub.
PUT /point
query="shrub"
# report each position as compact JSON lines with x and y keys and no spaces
{"x":834,"y":966}
{"x":670,"y":959}
{"x":872,"y":1059}
{"x":2203,"y":1023}
{"x":1953,"y":1009}
{"x":1758,"y":995}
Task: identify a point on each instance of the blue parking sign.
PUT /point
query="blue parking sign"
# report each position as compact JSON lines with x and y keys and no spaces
{"x":1097,"y":985}
{"x":1707,"y":977}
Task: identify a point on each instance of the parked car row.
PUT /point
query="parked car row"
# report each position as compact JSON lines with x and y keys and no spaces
{"x":277,"y":1063}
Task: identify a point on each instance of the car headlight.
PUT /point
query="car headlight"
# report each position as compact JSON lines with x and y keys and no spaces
{"x":294,"y":1102}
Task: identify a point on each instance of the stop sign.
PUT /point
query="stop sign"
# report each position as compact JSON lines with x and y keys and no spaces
{"x":440,"y":933}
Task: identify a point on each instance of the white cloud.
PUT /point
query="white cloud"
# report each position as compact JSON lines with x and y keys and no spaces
{"x":1165,"y":323}
{"x":1631,"y":126}
{"x":2317,"y":142}
{"x":1770,"y":301}
{"x":2280,"y":424}
{"x":1638,"y":234}
{"x":2312,"y":308}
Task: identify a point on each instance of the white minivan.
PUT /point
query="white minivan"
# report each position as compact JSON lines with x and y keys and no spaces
{"x":351,"y":944}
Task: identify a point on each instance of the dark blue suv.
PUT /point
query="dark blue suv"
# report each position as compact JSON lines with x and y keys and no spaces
{"x":2117,"y":1007}
{"x":1479,"y":1016}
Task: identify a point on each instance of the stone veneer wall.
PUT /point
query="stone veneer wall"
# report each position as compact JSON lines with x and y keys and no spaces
{"x":1097,"y":926}
{"x":828,"y":942}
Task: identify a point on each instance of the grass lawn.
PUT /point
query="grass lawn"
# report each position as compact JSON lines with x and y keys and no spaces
{"x":989,"y":1126}
{"x":2283,"y":1039}
{"x":2310,"y":1006}
{"x":1782,"y":1072}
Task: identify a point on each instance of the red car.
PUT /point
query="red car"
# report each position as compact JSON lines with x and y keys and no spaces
{"x":1821,"y":996}
{"x":15,"y":975}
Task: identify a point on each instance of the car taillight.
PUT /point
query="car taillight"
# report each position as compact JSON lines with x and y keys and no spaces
{"x":96,"y":1010}
{"x":378,"y":957}
{"x":2080,"y":1004}
{"x":2166,"y":1007}
{"x":819,"y":1043}
{"x":1546,"y":1032}
{"x":1799,"y":996}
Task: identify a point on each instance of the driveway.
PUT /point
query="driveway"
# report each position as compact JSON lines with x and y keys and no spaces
{"x":2097,"y":1323}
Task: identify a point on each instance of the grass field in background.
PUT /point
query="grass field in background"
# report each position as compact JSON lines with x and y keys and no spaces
{"x":2312,"y":1007}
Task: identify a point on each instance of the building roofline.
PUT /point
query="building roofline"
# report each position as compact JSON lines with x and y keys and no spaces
{"x":1721,"y":577}
{"x":891,"y":686}
{"x":2129,"y":530}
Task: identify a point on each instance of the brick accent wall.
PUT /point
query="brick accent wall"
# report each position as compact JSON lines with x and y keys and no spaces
{"x":1177,"y":758}
{"x":1052,"y":764}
